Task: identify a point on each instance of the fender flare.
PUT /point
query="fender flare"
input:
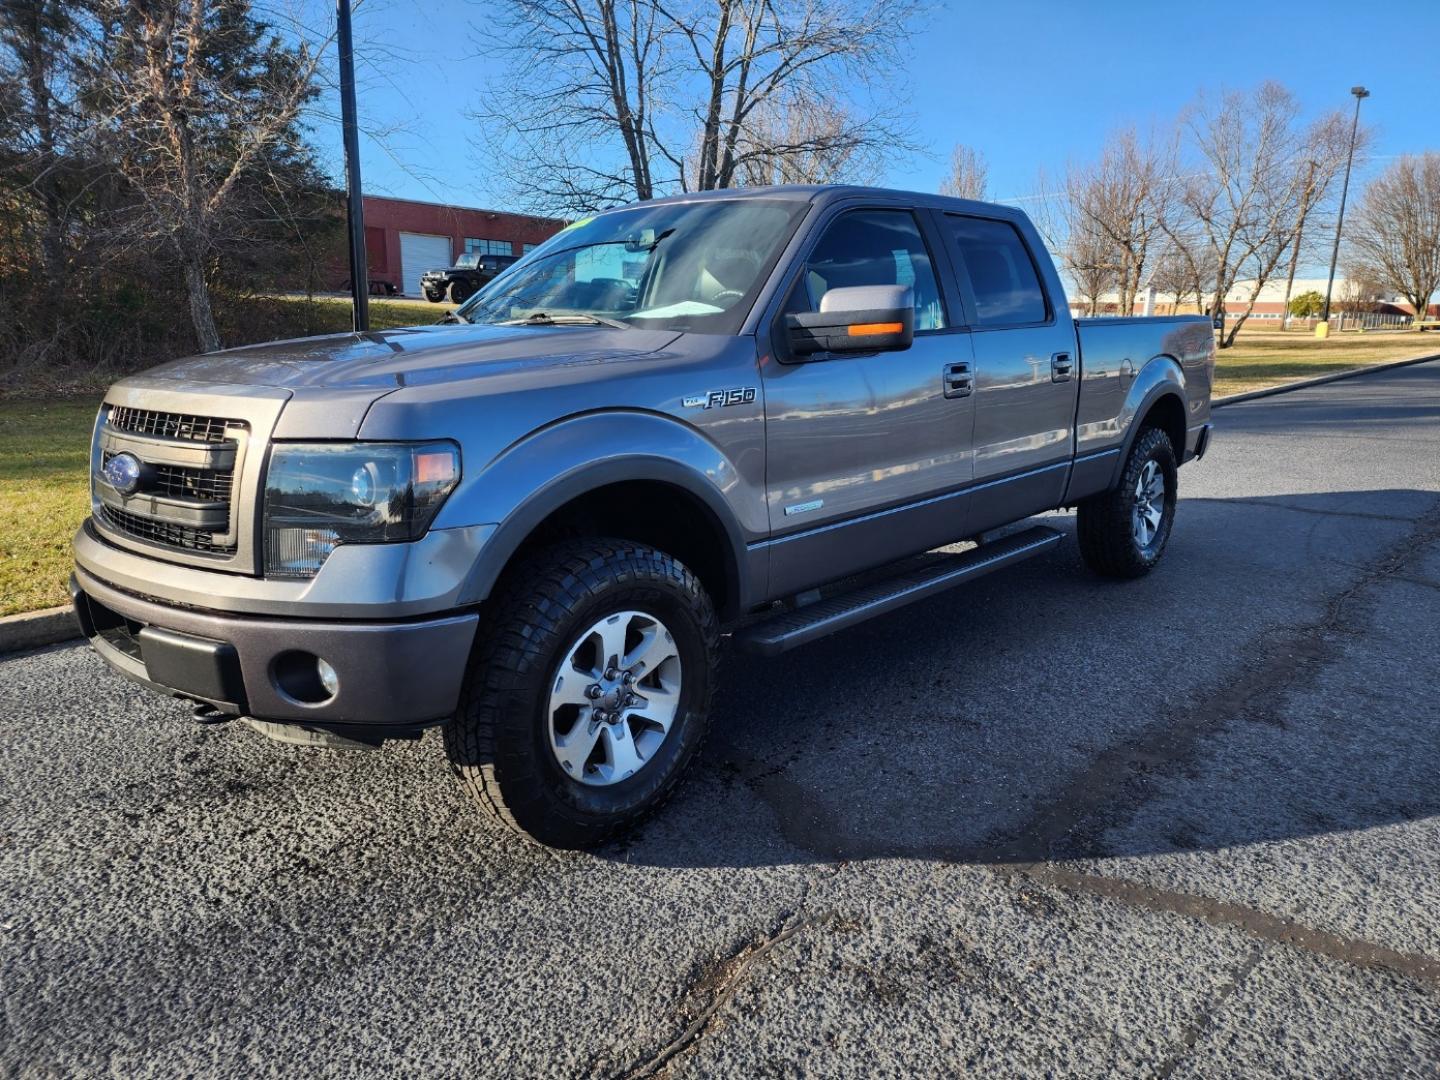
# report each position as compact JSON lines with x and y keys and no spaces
{"x":692,"y":467}
{"x":1161,"y":376}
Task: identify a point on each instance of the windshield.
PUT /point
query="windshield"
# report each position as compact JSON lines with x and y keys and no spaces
{"x":468,"y":261}
{"x":672,"y":266}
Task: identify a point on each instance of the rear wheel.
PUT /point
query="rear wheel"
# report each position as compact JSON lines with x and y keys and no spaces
{"x":589,"y":693}
{"x":1123,"y":531}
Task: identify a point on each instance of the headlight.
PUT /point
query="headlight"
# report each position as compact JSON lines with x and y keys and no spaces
{"x":321,"y":495}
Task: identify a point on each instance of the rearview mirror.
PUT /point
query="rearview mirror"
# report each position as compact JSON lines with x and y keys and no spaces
{"x":860,"y":319}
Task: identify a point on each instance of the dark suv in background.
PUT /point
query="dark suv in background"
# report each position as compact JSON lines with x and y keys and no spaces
{"x":461,"y":281}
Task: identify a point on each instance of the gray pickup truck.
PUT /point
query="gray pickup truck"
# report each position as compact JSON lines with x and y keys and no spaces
{"x":757,"y":412}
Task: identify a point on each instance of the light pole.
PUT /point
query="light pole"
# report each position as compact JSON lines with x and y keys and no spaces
{"x":1323,"y":329}
{"x":354,"y":202}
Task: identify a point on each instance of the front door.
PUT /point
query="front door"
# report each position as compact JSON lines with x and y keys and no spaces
{"x":864,"y":451}
{"x":1026,"y":373}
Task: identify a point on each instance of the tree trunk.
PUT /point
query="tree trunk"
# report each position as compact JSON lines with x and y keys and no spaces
{"x":201,"y":313}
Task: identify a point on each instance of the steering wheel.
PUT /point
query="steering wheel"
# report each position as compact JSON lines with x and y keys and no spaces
{"x":731,"y":294}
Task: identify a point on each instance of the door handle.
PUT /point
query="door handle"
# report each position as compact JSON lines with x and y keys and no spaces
{"x":958,"y":380}
{"x":1060,"y":367}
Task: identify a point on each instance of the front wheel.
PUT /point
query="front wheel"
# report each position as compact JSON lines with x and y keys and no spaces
{"x":459,"y":292}
{"x":589,"y":692}
{"x":434,"y":295}
{"x":1123,"y":531}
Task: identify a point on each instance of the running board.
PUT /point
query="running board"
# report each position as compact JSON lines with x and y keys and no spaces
{"x":803,"y":625}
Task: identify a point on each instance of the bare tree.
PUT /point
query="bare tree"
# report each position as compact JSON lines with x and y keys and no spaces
{"x":1395,"y":235}
{"x":1083,"y":254}
{"x":1173,"y":275}
{"x":573,"y":124}
{"x":608,"y":100}
{"x":1087,"y":259}
{"x":1120,"y":203}
{"x":1361,"y":291}
{"x":807,"y":143}
{"x":1257,"y":168}
{"x":200,"y":103}
{"x":969,"y":176}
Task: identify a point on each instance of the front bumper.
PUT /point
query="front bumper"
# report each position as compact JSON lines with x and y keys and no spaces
{"x":396,"y":675}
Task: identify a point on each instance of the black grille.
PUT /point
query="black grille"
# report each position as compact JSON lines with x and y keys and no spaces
{"x":186,"y":483}
{"x":193,"y":483}
{"x":176,"y":481}
{"x":172,"y":425}
{"x":161,"y":532}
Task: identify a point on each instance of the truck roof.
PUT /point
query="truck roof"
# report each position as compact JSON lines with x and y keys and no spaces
{"x":829,"y":192}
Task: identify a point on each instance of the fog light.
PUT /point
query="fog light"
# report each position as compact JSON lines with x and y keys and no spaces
{"x":304,"y":677}
{"x":328,"y":679}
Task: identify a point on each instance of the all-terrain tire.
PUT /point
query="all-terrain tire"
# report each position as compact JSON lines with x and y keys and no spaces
{"x":459,"y":292}
{"x":434,"y":296}
{"x":1105,"y":523}
{"x":499,"y":741}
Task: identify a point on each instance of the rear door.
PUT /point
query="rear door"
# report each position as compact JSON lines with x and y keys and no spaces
{"x":865,"y":454}
{"x":1026,"y":370}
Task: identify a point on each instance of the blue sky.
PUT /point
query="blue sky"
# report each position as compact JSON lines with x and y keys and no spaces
{"x":1030,"y":83}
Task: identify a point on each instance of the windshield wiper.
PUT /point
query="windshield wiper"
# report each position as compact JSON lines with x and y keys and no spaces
{"x":573,"y":318}
{"x":454,"y":317}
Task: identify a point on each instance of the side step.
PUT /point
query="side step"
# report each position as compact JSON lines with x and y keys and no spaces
{"x":804,"y":625}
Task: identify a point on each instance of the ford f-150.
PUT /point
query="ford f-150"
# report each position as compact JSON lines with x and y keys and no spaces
{"x":755,"y":412}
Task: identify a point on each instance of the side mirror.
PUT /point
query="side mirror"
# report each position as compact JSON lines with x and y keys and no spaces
{"x":861,"y":319}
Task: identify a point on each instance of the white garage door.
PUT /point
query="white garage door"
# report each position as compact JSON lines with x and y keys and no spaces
{"x":418,"y":253}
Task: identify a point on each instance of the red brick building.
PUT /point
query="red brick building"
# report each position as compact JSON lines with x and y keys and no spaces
{"x":404,"y":238}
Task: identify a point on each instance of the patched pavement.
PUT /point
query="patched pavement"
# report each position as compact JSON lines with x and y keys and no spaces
{"x":1188,"y":826}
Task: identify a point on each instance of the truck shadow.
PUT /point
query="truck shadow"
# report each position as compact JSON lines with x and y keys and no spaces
{"x":1271,"y":681}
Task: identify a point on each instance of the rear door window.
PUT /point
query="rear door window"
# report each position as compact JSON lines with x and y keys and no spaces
{"x":1003,"y":280}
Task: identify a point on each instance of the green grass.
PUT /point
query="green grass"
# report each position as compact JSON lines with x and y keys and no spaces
{"x":44,"y":447}
{"x":1263,"y":358}
{"x":44,"y":444}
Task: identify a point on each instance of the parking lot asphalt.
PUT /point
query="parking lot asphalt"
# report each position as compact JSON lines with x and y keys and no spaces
{"x":1046,"y":825}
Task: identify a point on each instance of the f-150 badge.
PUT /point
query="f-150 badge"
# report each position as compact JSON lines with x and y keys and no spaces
{"x":718,"y":399}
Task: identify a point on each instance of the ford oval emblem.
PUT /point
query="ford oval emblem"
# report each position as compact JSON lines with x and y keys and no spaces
{"x":122,"y":472}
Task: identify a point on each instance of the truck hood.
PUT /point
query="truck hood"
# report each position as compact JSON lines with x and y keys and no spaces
{"x":387,"y":360}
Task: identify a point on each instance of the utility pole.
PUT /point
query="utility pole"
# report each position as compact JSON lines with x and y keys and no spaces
{"x":1323,"y":330}
{"x":1305,"y":197}
{"x":354,"y":201}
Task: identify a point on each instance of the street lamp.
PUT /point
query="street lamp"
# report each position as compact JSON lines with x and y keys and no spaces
{"x":1323,"y":329}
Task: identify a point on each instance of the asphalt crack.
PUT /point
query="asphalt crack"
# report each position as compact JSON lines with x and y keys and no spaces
{"x":1275,"y":504}
{"x":715,"y":984}
{"x":1106,"y":791}
{"x":1261,"y":925}
{"x":1202,"y":1023}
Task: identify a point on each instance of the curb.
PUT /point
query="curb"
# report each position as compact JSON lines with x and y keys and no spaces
{"x":33,"y":629}
{"x":1318,"y":380}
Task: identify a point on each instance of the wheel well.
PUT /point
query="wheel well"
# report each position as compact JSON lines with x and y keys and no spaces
{"x":1168,"y":415}
{"x":655,"y":513}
